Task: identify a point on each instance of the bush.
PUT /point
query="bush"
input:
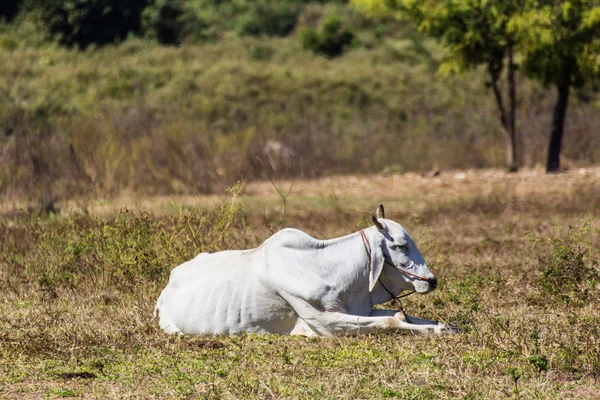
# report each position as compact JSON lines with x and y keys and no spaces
{"x":170,"y":22}
{"x":163,"y":21}
{"x":571,"y":271}
{"x":331,"y":40}
{"x":124,"y":251}
{"x":260,"y":52}
{"x":85,"y":22}
{"x":268,"y":19}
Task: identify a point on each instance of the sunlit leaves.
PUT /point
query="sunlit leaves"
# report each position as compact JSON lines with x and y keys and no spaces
{"x":558,"y":40}
{"x":474,"y":31}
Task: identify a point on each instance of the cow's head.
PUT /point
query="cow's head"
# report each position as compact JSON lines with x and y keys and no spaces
{"x":395,"y":259}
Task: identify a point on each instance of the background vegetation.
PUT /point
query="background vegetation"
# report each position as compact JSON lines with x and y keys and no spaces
{"x":190,"y":96}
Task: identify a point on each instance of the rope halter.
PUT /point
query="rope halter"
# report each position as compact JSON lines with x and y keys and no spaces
{"x":368,"y":251}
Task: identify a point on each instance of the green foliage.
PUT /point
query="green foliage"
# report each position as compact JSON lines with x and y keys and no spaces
{"x":82,"y":23}
{"x":331,"y":40}
{"x":537,"y":359}
{"x":268,"y":18}
{"x":516,"y":374}
{"x":171,"y":21}
{"x":474,"y":31}
{"x":540,"y":362}
{"x":558,"y":43}
{"x":559,"y":40}
{"x":165,"y":21}
{"x":261,"y":52}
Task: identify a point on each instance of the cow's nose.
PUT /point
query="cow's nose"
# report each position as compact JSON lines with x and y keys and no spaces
{"x":433,"y":281}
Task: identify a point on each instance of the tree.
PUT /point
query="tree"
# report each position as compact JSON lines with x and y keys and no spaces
{"x":475,"y":33}
{"x":331,"y":40}
{"x":560,"y":45}
{"x":85,"y":22}
{"x":9,"y":9}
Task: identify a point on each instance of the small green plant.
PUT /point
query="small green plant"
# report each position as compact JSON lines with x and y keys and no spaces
{"x":221,"y":373}
{"x":537,"y":359}
{"x":332,"y":39}
{"x":515,"y":374}
{"x":391,"y":394}
{"x":66,"y":392}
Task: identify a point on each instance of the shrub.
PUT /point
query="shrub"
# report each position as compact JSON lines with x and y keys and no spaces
{"x":170,"y":22}
{"x":260,"y":52}
{"x":571,"y":271}
{"x":85,"y":22}
{"x":124,"y":251}
{"x":163,"y":21}
{"x":268,"y":19}
{"x":331,"y":40}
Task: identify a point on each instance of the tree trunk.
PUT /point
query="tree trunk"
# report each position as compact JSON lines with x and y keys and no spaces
{"x":558,"y":122}
{"x":514,"y":159}
{"x":499,"y":102}
{"x":510,"y":160}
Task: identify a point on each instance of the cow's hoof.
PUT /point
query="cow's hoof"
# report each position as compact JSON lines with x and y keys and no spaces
{"x":446,"y":328}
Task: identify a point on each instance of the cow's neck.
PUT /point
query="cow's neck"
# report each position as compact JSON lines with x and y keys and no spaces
{"x":345,"y":262}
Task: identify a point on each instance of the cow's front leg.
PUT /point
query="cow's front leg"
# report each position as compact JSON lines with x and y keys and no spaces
{"x":332,"y":323}
{"x":416,"y":325}
{"x":302,"y":329}
{"x":445,"y":328}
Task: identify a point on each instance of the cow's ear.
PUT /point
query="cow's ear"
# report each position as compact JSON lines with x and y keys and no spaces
{"x":380,"y":212}
{"x":377,"y":261}
{"x":378,"y":224}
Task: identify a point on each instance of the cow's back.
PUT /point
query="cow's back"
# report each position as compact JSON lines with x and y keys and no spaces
{"x":221,"y":293}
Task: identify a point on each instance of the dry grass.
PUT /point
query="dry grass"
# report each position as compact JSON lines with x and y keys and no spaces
{"x":488,"y":236}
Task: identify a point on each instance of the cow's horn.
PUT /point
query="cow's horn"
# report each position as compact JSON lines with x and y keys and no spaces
{"x":380,"y":212}
{"x":377,"y":223}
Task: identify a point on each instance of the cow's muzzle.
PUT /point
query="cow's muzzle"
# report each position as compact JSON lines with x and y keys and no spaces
{"x":425,"y":285}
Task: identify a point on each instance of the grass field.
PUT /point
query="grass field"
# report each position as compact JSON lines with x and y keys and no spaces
{"x":516,"y":256}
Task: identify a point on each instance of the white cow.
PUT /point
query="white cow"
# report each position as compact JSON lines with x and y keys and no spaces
{"x":295,"y":284}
